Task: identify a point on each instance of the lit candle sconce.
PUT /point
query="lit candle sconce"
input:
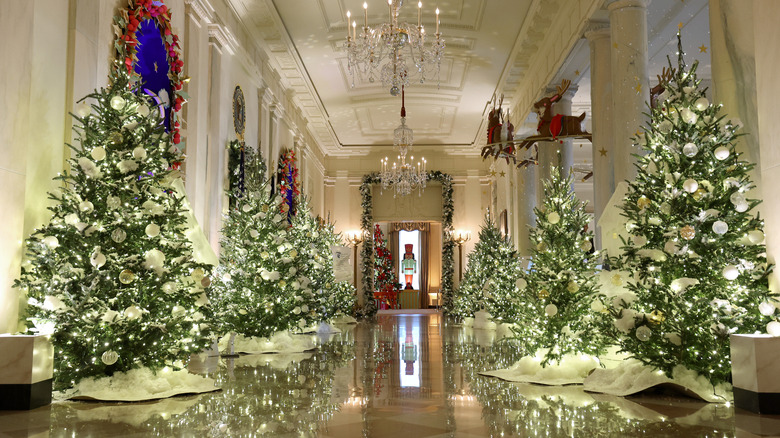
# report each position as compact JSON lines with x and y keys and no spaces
{"x":459,"y":238}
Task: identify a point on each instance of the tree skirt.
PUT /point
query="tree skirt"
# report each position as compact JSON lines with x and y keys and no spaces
{"x":571,"y":370}
{"x":632,"y":377}
{"x":138,"y":385}
{"x":279,"y":342}
{"x":322,"y":327}
{"x":344,"y":319}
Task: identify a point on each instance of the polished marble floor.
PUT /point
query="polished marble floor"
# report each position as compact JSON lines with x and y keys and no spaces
{"x":404,"y":376}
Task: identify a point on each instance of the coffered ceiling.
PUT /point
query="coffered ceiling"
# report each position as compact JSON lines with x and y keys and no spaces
{"x":492,"y":45}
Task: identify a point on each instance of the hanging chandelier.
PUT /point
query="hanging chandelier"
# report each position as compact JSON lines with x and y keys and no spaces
{"x":403,"y":177}
{"x":394,"y":52}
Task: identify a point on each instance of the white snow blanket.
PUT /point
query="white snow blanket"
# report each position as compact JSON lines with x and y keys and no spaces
{"x":571,"y":370}
{"x":344,"y":319}
{"x":138,"y":385}
{"x":483,"y":321}
{"x":279,"y":342}
{"x":322,"y":327}
{"x":632,"y":377}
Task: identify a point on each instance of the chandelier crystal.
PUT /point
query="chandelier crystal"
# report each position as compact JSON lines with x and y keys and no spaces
{"x":403,"y":176}
{"x":393,"y":52}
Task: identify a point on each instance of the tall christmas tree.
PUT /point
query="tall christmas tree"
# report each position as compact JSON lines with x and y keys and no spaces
{"x":490,"y":279}
{"x":696,"y":251}
{"x":384,"y":274}
{"x":112,"y":275}
{"x":555,"y":314}
{"x":260,"y":287}
{"x":316,"y":238}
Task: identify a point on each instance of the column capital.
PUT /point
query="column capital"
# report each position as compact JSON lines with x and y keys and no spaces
{"x":596,"y":30}
{"x":623,"y":4}
{"x":200,"y":10}
{"x":220,"y":36}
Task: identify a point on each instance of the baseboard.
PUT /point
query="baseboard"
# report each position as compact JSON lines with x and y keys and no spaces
{"x":758,"y":402}
{"x":25,"y":396}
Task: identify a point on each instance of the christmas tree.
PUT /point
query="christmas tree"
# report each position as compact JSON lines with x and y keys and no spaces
{"x":695,"y":250}
{"x":316,"y":238}
{"x":557,"y":293}
{"x":112,"y":274}
{"x":489,"y":282}
{"x":260,"y":286}
{"x":384,"y":274}
{"x":243,"y":162}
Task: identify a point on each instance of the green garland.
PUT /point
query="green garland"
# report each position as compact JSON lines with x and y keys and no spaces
{"x":367,"y":221}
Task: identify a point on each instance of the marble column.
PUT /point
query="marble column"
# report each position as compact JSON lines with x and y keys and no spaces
{"x":525,"y":200}
{"x":276,"y":112}
{"x":766,"y":15}
{"x":732,"y":51}
{"x":265,"y":97}
{"x":217,"y":141}
{"x":601,"y":116}
{"x":630,"y":89}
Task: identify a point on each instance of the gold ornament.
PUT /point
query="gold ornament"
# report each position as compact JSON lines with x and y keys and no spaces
{"x":126,"y":276}
{"x":543,"y":294}
{"x":657,"y":317}
{"x":541,"y":247}
{"x":205,"y":282}
{"x":642,"y":202}
{"x":699,"y":193}
{"x":573,"y":287}
{"x":115,"y":138}
{"x":688,"y":232}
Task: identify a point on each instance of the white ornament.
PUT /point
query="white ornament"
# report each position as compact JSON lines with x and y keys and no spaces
{"x":254,"y":233}
{"x":152,"y":230}
{"x":139,"y":153}
{"x":169,"y":287}
{"x":89,"y":168}
{"x":51,"y":241}
{"x":665,"y":127}
{"x":755,"y":236}
{"x":125,"y":166}
{"x":730,"y":272}
{"x":737,"y":198}
{"x":690,"y":185}
{"x":553,"y":218}
{"x":689,"y":89}
{"x":722,"y":152}
{"x":521,"y":283}
{"x":198,"y":274}
{"x":766,"y":308}
{"x":643,"y":333}
{"x":133,"y":312}
{"x":86,"y":207}
{"x":688,"y":116}
{"x":720,"y":227}
{"x":72,"y":219}
{"x":109,"y":357}
{"x":572,"y":287}
{"x":630,"y":225}
{"x":586,"y":245}
{"x":640,"y":241}
{"x":690,"y":150}
{"x":98,"y":154}
{"x":551,"y":310}
{"x":117,"y":102}
{"x":113,"y":202}
{"x":154,"y":259}
{"x":97,"y":259}
{"x":597,"y":306}
{"x":83,"y":110}
{"x":246,"y":208}
{"x":741,"y":207}
{"x":773,"y":328}
{"x":701,"y":103}
{"x":143,"y":110}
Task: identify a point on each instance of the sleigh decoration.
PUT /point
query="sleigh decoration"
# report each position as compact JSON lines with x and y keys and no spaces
{"x":551,"y":128}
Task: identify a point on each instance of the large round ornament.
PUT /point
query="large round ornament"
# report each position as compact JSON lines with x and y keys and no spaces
{"x":169,"y":287}
{"x":152,"y":230}
{"x":701,"y":103}
{"x":117,"y":102}
{"x":656,"y":316}
{"x":773,"y":328}
{"x":198,"y":274}
{"x":115,"y":138}
{"x":133,"y":312}
{"x":109,"y":357}
{"x":143,"y":110}
{"x":139,"y":153}
{"x":737,"y":198}
{"x":51,"y":241}
{"x":118,"y":235}
{"x":98,"y":154}
{"x":742,"y":207}
{"x":687,"y":232}
{"x":154,"y":259}
{"x":690,"y":150}
{"x":642,"y":202}
{"x":572,"y":287}
{"x":586,"y":245}
{"x":690,"y":185}
{"x":83,"y":110}
{"x":97,"y":259}
{"x":755,"y":236}
{"x":551,"y":310}
{"x":722,"y":152}
{"x":86,"y":207}
{"x":720,"y":227}
{"x":553,"y":218}
{"x":205,"y":282}
{"x":113,"y":202}
{"x":521,"y":283}
{"x":543,"y":294}
{"x":541,"y":246}
{"x":688,"y":116}
{"x":126,"y":276}
{"x":766,"y":308}
{"x":730,"y":272}
{"x":644,"y":333}
{"x":640,"y":241}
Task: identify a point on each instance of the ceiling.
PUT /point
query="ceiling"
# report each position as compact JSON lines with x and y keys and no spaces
{"x":485,"y":41}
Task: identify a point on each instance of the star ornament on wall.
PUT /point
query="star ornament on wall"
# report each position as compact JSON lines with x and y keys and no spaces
{"x":603,"y":152}
{"x":702,"y":49}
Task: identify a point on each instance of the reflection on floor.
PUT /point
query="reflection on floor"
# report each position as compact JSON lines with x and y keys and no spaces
{"x":406,"y":375}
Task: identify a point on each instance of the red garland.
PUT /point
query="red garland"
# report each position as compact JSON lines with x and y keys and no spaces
{"x":126,"y":25}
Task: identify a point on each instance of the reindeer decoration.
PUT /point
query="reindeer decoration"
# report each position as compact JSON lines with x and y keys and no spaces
{"x":551,"y":128}
{"x":499,"y":129}
{"x":663,"y":80}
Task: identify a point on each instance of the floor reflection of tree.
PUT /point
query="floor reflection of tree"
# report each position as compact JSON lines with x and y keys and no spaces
{"x":518,"y":409}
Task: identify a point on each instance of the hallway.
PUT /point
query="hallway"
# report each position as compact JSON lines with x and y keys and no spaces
{"x":407,"y":375}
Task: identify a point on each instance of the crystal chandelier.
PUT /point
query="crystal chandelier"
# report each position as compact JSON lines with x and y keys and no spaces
{"x":395,"y":52}
{"x":403,"y":177}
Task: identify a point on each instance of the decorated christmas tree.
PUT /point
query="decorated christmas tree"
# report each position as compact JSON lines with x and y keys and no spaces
{"x":384,"y":274}
{"x":695,"y":258}
{"x":555,"y":317}
{"x":316,"y":238}
{"x":489,"y":282}
{"x":243,"y":162}
{"x":260,"y":287}
{"x":112,"y":275}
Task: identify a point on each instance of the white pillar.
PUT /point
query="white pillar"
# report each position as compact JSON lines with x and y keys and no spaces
{"x":630,"y":89}
{"x":525,"y":195}
{"x":217,"y":143}
{"x":601,"y":105}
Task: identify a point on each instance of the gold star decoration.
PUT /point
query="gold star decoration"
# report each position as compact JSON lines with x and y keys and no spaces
{"x":503,"y":174}
{"x":614,"y":45}
{"x":603,"y":151}
{"x":638,"y":88}
{"x":680,"y":25}
{"x":492,"y":173}
{"x":576,"y":72}
{"x":155,"y":66}
{"x":638,"y":132}
{"x":703,"y":48}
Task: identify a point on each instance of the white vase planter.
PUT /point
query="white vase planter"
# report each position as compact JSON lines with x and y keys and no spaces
{"x":26,"y":371}
{"x":755,"y":372}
